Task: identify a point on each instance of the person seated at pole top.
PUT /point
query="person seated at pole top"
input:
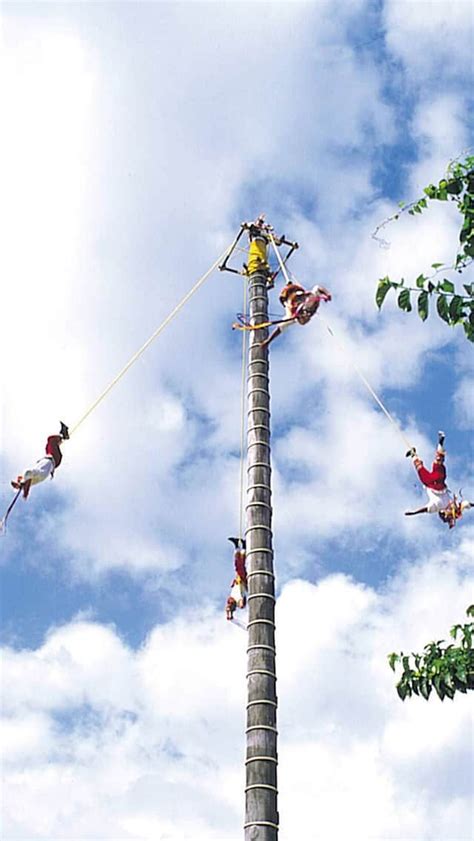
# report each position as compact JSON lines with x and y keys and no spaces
{"x":300,"y":305}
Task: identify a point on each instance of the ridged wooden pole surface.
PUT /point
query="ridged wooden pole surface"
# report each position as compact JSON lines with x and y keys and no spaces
{"x":261,"y":809}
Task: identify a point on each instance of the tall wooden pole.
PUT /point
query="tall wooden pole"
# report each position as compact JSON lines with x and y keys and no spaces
{"x":261,"y":810}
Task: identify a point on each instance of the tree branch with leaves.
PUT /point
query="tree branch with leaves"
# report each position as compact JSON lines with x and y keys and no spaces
{"x":452,"y":305}
{"x":445,"y":668}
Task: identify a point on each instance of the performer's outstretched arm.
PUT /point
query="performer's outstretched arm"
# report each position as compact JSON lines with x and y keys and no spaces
{"x":418,"y":511}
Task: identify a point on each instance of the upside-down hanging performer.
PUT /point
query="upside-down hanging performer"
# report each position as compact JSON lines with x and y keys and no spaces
{"x":300,"y":305}
{"x":440,"y":500}
{"x":238,"y":591}
{"x":43,"y":469}
{"x":45,"y":466}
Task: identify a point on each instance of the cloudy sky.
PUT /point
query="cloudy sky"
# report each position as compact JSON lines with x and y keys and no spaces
{"x":135,"y":139}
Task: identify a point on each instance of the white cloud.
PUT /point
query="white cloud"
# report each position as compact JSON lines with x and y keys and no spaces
{"x":138,"y":138}
{"x":464,"y":401}
{"x":153,"y":750}
{"x":433,"y":38}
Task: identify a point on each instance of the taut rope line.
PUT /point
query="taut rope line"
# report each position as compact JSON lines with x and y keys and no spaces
{"x":366,"y":383}
{"x":282,"y":265}
{"x":152,"y":338}
{"x":242,"y":418}
{"x":342,"y":348}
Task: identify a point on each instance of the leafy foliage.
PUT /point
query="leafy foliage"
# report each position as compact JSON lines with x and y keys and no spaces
{"x":445,"y":668}
{"x":452,"y":306}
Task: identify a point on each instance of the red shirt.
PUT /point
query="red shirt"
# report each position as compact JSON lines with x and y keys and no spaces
{"x":239,"y":563}
{"x":436,"y":478}
{"x":52,"y":449}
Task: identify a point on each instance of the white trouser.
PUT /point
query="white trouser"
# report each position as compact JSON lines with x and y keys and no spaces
{"x":437,"y":500}
{"x":238,"y":592}
{"x":42,"y":469}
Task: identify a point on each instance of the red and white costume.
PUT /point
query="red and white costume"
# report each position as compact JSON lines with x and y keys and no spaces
{"x":238,"y":592}
{"x":440,"y":500}
{"x":434,"y":481}
{"x":301,"y":304}
{"x":44,"y":467}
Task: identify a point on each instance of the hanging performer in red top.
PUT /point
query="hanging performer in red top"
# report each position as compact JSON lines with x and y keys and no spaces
{"x":300,"y":306}
{"x":440,"y":499}
{"x":238,"y":592}
{"x":45,"y":466}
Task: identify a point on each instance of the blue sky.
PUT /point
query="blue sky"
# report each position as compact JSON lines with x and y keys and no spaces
{"x":137,"y":137}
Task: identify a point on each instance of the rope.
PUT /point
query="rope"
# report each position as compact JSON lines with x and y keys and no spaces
{"x":282,"y":265}
{"x":356,"y":369}
{"x":247,"y":327}
{"x":152,"y":338}
{"x":3,"y":521}
{"x":242,"y":418}
{"x":367,"y":384}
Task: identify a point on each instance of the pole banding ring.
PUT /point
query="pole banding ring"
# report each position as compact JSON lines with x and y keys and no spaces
{"x":261,"y":785}
{"x":261,"y":672}
{"x":260,"y":621}
{"x":257,"y":390}
{"x":262,"y":727}
{"x":261,"y":596}
{"x":258,"y":443}
{"x":259,"y":464}
{"x":264,"y":373}
{"x":260,"y":409}
{"x":259,"y":485}
{"x":261,"y":647}
{"x":259,"y":505}
{"x":261,"y":823}
{"x":258,"y":426}
{"x":260,"y":549}
{"x":252,"y":528}
{"x":262,"y":701}
{"x":261,"y":759}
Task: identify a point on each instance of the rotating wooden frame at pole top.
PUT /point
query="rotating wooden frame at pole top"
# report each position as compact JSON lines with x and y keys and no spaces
{"x":262,"y":228}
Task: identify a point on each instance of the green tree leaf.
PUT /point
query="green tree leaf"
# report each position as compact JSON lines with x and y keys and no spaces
{"x":404,"y":300}
{"x":443,"y":308}
{"x":423,"y":305}
{"x":392,"y":659}
{"x":455,"y":187}
{"x":447,"y":286}
{"x":469,"y":331}
{"x":438,"y":685}
{"x":425,"y":688}
{"x":402,"y":690}
{"x":384,"y":286}
{"x":456,"y":308}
